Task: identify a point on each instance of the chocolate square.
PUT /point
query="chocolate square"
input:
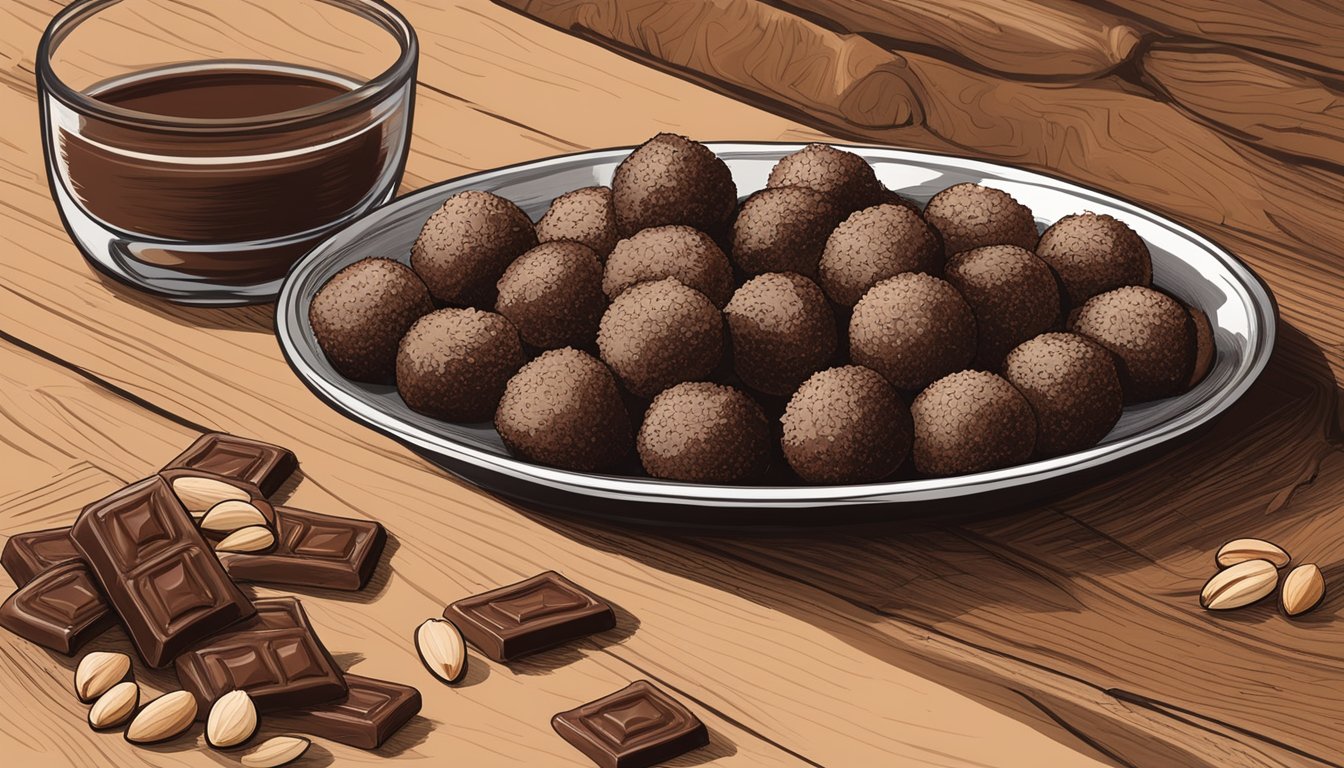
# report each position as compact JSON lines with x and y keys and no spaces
{"x":372,"y":711}
{"x":635,"y":727}
{"x":262,"y":464}
{"x":542,"y":612}
{"x":30,"y":553}
{"x":313,"y":550}
{"x":61,"y":609}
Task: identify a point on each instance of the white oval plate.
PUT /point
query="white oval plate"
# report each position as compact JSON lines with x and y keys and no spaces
{"x":1201,"y":273}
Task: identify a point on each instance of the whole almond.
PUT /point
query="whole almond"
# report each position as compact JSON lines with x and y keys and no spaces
{"x":162,"y":719}
{"x":199,"y":494}
{"x":232,"y":720}
{"x":276,"y":751}
{"x":229,"y":516}
{"x":1241,"y":550}
{"x":114,"y":707}
{"x":442,"y":649}
{"x":254,"y":538}
{"x":98,"y":672}
{"x":1303,"y":589}
{"x":1239,"y":585}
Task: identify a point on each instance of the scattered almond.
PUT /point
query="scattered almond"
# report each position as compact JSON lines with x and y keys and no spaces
{"x":1241,"y":550}
{"x":276,"y":751}
{"x":442,"y":649}
{"x":232,"y":720}
{"x":1239,"y":585}
{"x":114,"y":707}
{"x":164,"y":718}
{"x":229,"y":516}
{"x":199,"y":494}
{"x":254,"y":538}
{"x":98,"y":672}
{"x":1303,"y":589}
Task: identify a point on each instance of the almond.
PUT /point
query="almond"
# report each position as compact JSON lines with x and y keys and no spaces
{"x":229,"y":516}
{"x":276,"y":751}
{"x":1239,"y":585}
{"x":164,"y":718}
{"x":98,"y":672}
{"x":199,"y":494}
{"x":442,"y":649}
{"x":232,"y":720}
{"x":1241,"y":550}
{"x":1303,"y":589}
{"x":254,"y":538}
{"x":114,"y":707}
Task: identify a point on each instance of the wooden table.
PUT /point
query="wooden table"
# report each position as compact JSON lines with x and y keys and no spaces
{"x":1067,"y":634}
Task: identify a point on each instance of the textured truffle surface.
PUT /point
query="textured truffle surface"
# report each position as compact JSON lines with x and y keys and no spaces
{"x":1150,"y":335}
{"x":912,"y":329}
{"x":845,"y":425}
{"x":361,"y":313}
{"x":1012,"y":294}
{"x":971,"y":421}
{"x":687,"y":254}
{"x":585,"y":216}
{"x":553,"y":295}
{"x":1094,"y":253}
{"x":873,"y":245}
{"x":782,"y":331}
{"x":564,"y":410}
{"x":1072,"y":386}
{"x":843,"y":177}
{"x":453,"y":363}
{"x":704,"y":433}
{"x":672,"y":180}
{"x":467,"y":244}
{"x":660,"y":333}
{"x":971,"y":215}
{"x":1206,"y":351}
{"x":783,"y":229}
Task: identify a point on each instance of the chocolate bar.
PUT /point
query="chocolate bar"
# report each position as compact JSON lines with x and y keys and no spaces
{"x":371,"y":712}
{"x":635,"y":727}
{"x":262,"y":464}
{"x":313,"y":550}
{"x":156,"y":571}
{"x":60,"y":609}
{"x":28,"y":554}
{"x":275,"y":656}
{"x":533,"y":615}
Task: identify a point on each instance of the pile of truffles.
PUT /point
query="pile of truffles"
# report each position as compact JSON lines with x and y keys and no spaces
{"x":825,"y":324}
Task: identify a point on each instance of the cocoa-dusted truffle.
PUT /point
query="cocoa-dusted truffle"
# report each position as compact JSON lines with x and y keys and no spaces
{"x":844,"y":177}
{"x":660,"y":333}
{"x":564,"y":410}
{"x":971,"y":421}
{"x":845,"y":425}
{"x":553,"y":295}
{"x":672,"y":180}
{"x":912,"y":329}
{"x":874,"y":244}
{"x":700,"y":432}
{"x":361,"y":313}
{"x":467,"y":244}
{"x":783,"y":229}
{"x":453,"y":363}
{"x":1094,"y":253}
{"x":782,"y":331}
{"x":677,"y":251}
{"x":1072,"y":386}
{"x":585,"y":216}
{"x":1012,"y":293}
{"x":896,"y":198}
{"x":1205,"y":350}
{"x":970,"y":215}
{"x":1150,"y":334}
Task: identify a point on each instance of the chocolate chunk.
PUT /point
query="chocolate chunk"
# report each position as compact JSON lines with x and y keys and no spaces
{"x":60,"y":609}
{"x":28,"y":554}
{"x":371,"y":712}
{"x":262,"y":464}
{"x":156,"y":571}
{"x":635,"y":727}
{"x":533,"y":615}
{"x":313,"y":550}
{"x":275,"y":656}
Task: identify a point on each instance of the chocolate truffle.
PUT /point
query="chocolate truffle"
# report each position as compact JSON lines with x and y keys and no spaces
{"x":970,"y":215}
{"x":971,"y":421}
{"x":843,"y":177}
{"x":467,"y":244}
{"x":873,"y":245}
{"x":553,"y":295}
{"x":672,"y":180}
{"x":1012,"y":294}
{"x":453,"y":363}
{"x":1150,"y":334}
{"x":783,"y":229}
{"x":585,"y":216}
{"x":1095,"y":253}
{"x":893,"y":197}
{"x":912,"y":329}
{"x":361,"y":313}
{"x":1072,"y":386}
{"x":1205,"y":349}
{"x":700,"y":432}
{"x":845,"y":425}
{"x":564,"y":410}
{"x":660,"y":333}
{"x":782,"y":331}
{"x":687,"y":254}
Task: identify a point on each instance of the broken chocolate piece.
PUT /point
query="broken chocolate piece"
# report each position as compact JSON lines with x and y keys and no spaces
{"x":371,"y":712}
{"x":533,"y":615}
{"x":313,"y":550}
{"x":635,"y":727}
{"x":28,"y":554}
{"x":61,"y":609}
{"x":262,"y":464}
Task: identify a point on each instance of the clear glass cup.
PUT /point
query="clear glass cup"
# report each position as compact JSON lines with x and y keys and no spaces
{"x":196,"y":151}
